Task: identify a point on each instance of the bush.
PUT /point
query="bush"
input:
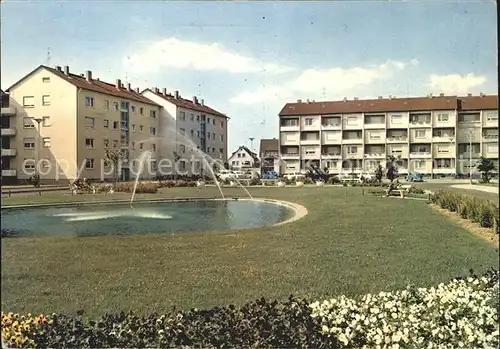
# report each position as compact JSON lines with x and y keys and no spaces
{"x":461,"y":313}
{"x":254,"y":181}
{"x":334,"y":180}
{"x":480,"y":211}
{"x":307,"y":181}
{"x":142,"y":188}
{"x":167,"y":184}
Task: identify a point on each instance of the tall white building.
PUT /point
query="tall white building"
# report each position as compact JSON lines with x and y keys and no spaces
{"x":433,"y":135}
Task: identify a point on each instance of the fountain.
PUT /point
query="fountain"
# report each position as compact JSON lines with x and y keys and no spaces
{"x":142,"y":158}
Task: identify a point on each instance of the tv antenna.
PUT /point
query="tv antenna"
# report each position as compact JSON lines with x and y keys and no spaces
{"x":48,"y":56}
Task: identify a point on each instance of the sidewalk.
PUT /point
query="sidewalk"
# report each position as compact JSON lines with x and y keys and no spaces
{"x":484,"y":188}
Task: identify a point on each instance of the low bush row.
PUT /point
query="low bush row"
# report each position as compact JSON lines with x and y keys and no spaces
{"x":481,"y":211}
{"x":462,"y":313}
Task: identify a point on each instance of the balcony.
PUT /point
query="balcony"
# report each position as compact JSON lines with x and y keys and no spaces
{"x":290,"y":141}
{"x":9,"y":173}
{"x":420,"y":155}
{"x":467,"y":155}
{"x":420,"y":124}
{"x":290,"y":156}
{"x":290,"y":127}
{"x":331,"y":126}
{"x":375,"y":155}
{"x":8,"y":111}
{"x":8,"y":131}
{"x":9,"y":152}
{"x":309,"y":141}
{"x":332,"y":156}
{"x":314,"y":155}
{"x":444,"y":170}
{"x":352,"y":141}
{"x":490,"y":138}
{"x":397,"y":139}
{"x":439,"y":139}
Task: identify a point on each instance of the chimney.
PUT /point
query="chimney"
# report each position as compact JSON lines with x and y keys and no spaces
{"x":66,"y":70}
{"x":380,"y":97}
{"x":128,"y":87}
{"x":58,"y":68}
{"x":441,"y":94}
{"x":202,"y":101}
{"x":137,"y":89}
{"x":195,"y":100}
{"x":88,"y":75}
{"x":299,"y":100}
{"x":157,"y":90}
{"x":118,"y":83}
{"x":176,"y":94}
{"x":164,"y":91}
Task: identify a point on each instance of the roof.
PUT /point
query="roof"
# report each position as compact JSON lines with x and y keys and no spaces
{"x":268,"y":145}
{"x":390,"y":105}
{"x":94,"y":85}
{"x":249,"y":152}
{"x":188,"y":104}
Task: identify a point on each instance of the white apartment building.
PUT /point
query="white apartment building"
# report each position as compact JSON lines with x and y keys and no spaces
{"x":433,"y":135}
{"x":188,"y":124}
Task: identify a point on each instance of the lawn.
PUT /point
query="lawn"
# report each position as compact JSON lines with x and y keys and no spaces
{"x":348,"y":244}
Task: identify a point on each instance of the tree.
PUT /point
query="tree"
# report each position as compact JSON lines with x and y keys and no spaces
{"x":325,"y":169}
{"x":115,"y":157}
{"x":177,"y":157}
{"x":485,"y":166}
{"x":392,"y":172}
{"x":379,"y":173}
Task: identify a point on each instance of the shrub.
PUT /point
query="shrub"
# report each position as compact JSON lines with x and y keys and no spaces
{"x":334,"y":180}
{"x":254,"y":181}
{"x":167,"y":184}
{"x":308,"y":181}
{"x":477,"y":210}
{"x":142,"y":188}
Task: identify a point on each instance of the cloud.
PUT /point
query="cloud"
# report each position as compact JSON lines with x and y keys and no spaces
{"x":455,"y":83}
{"x":175,"y":53}
{"x":335,"y":80}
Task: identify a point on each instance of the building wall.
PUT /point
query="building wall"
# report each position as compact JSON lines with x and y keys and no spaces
{"x":55,"y":140}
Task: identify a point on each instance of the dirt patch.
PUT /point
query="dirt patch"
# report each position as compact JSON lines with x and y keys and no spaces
{"x":485,"y":233}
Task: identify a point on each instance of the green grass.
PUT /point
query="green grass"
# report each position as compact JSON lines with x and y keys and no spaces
{"x":347,"y":244}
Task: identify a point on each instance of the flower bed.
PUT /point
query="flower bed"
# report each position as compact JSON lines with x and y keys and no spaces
{"x":462,"y":313}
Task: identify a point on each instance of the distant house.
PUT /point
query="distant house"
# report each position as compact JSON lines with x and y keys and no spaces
{"x":269,"y":154}
{"x":243,"y":158}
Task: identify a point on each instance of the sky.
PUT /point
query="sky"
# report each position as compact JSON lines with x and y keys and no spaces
{"x":248,"y":60}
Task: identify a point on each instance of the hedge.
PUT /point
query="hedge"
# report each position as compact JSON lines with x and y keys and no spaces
{"x":462,"y":313}
{"x":477,"y":210}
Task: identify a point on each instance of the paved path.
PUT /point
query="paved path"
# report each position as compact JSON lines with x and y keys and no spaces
{"x":485,"y":188}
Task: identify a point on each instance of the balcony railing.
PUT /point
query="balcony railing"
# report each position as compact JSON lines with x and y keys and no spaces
{"x":467,"y":155}
{"x":375,"y":155}
{"x":9,"y":172}
{"x":330,"y":124}
{"x":395,"y":139}
{"x":8,"y":131}
{"x":290,"y":155}
{"x":490,"y":136}
{"x":420,"y":154}
{"x":8,"y":111}
{"x":9,"y":152}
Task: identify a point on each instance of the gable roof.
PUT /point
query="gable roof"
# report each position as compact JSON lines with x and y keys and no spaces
{"x":268,"y":146}
{"x":186,"y":103}
{"x":248,"y":151}
{"x":390,"y":105}
{"x":94,"y":85}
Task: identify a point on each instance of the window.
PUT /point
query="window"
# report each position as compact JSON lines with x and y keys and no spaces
{"x":208,"y":120}
{"x":419,"y":164}
{"x":213,"y":150}
{"x":153,"y":147}
{"x":45,"y":163}
{"x":132,"y":108}
{"x":89,"y":164}
{"x":106,"y":104}
{"x":182,"y":165}
{"x":375,"y":136}
{"x":197,"y":118}
{"x":46,"y":121}
{"x":29,"y":143}
{"x":442,"y":149}
{"x":396,"y":119}
{"x":422,"y":149}
{"x":141,"y":111}
{"x":28,"y":123}
{"x":28,"y":102}
{"x":46,"y":80}
{"x":331,"y":164}
{"x":106,"y":123}
{"x":89,"y":142}
{"x":133,"y":127}
{"x":443,"y":117}
{"x":222,"y":124}
{"x":192,"y":133}
{"x":89,"y":101}
{"x":208,"y":150}
{"x":221,"y":151}
{"x":152,"y":131}
{"x":115,"y":125}
{"x":492,"y":148}
{"x":45,"y":100}
{"x":182,"y":131}
{"x":106,"y":143}
{"x":115,"y":106}
{"x":192,"y":117}
{"x":152,"y":113}
{"x":115,"y":143}
{"x":46,"y":142}
{"x":309,"y":121}
{"x":221,"y":138}
{"x":208,"y":135}
{"x":29,"y":164}
{"x":352,"y":150}
{"x":89,"y":122}
{"x":198,"y":134}
{"x":419,"y":133}
{"x":182,"y":148}
{"x":491,"y":116}
{"x":213,"y":135}
{"x":153,"y":165}
{"x":213,"y":121}
{"x":352,"y":120}
{"x":141,"y":145}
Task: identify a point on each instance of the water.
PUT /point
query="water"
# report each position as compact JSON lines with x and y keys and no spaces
{"x":143,"y":218}
{"x":145,"y":155}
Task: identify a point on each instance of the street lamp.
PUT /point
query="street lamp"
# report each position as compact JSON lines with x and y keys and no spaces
{"x":251,"y":143}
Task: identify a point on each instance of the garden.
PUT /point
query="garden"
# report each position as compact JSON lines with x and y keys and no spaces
{"x":363,"y":270}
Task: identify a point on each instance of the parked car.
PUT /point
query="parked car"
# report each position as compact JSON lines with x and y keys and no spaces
{"x":294,"y":175}
{"x":270,"y":175}
{"x":414,"y":177}
{"x":227,"y":175}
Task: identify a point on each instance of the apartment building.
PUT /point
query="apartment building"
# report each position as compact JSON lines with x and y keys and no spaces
{"x":9,"y":174}
{"x":64,"y":122}
{"x":187,"y":124}
{"x":269,"y":155}
{"x":433,"y":135}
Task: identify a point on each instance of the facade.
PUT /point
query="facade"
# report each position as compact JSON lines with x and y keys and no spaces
{"x":433,"y":135}
{"x":190,"y":126}
{"x":269,"y":155}
{"x":9,"y":173}
{"x":243,"y":158}
{"x":65,"y":121}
